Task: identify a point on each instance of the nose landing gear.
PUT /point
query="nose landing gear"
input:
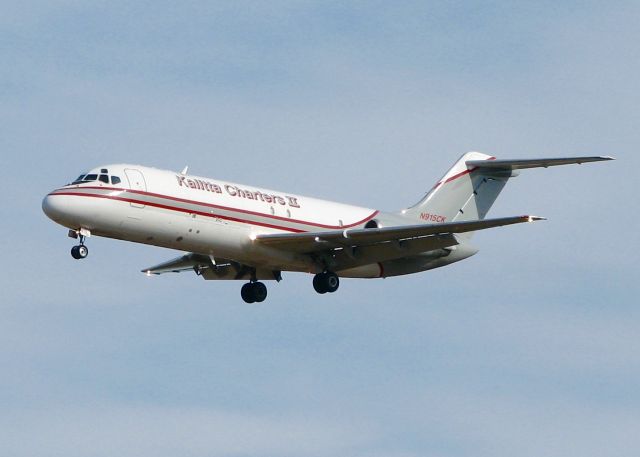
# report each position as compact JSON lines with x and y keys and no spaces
{"x":80,"y":251}
{"x":326,"y":282}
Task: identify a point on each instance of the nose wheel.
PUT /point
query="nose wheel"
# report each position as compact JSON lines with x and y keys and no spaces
{"x":326,"y":282}
{"x":80,"y":251}
{"x":254,"y":292}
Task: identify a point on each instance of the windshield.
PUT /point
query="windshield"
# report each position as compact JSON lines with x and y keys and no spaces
{"x":103,"y":177}
{"x":79,"y":179}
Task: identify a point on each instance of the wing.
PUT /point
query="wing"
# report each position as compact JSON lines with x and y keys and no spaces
{"x":499,"y":165}
{"x":205,"y":266}
{"x":408,"y":238}
{"x":309,"y":242}
{"x":186,"y":262}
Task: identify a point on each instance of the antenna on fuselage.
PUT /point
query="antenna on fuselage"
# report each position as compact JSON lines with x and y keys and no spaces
{"x":184,"y":170}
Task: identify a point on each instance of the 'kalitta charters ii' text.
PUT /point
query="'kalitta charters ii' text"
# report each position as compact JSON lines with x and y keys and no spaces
{"x":235,"y":191}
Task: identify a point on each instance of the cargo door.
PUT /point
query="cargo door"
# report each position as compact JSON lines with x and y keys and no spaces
{"x":136,"y":182}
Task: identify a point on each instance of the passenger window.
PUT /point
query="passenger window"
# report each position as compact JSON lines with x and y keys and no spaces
{"x":115,"y":180}
{"x":104,"y":179}
{"x":91,"y":178}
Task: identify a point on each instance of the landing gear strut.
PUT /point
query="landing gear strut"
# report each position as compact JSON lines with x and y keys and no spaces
{"x":80,"y":251}
{"x":253,"y":292}
{"x":326,"y":282}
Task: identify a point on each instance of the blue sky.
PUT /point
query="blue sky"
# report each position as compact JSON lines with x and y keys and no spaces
{"x":529,"y":348}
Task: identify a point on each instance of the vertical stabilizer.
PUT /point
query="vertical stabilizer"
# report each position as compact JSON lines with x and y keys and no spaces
{"x":464,"y":193}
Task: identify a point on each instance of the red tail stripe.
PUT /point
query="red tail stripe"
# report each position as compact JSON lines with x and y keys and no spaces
{"x":462,"y":173}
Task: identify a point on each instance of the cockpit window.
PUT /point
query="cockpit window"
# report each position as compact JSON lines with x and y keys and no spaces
{"x":102,"y":177}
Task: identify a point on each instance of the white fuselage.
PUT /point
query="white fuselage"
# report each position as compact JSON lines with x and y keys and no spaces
{"x":207,"y":216}
{"x":192,"y":213}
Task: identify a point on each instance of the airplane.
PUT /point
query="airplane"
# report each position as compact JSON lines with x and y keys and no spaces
{"x":237,"y":232}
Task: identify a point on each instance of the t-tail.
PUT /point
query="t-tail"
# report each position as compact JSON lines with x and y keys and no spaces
{"x":468,"y":190}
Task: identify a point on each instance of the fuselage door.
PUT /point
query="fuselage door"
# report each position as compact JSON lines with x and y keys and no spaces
{"x":136,"y":182}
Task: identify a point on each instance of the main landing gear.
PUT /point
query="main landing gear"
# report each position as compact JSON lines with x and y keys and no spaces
{"x":80,"y":251}
{"x":254,"y":292}
{"x":325,"y":282}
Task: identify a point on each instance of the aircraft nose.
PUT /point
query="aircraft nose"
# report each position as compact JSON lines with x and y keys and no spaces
{"x":53,"y":207}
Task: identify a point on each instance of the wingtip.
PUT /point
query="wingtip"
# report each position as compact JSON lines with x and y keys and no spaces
{"x":535,"y":218}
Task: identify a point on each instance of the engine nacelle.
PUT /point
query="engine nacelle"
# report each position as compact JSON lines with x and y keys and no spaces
{"x":411,"y":264}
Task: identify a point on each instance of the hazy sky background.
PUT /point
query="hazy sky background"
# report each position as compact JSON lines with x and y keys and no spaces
{"x":529,"y":348}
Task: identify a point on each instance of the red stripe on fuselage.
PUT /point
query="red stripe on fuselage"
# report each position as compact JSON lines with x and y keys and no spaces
{"x":462,"y":173}
{"x":230,"y":208}
{"x":201,"y":213}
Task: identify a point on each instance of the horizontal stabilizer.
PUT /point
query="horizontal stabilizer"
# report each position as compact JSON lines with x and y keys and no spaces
{"x":496,"y":165}
{"x":318,"y":241}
